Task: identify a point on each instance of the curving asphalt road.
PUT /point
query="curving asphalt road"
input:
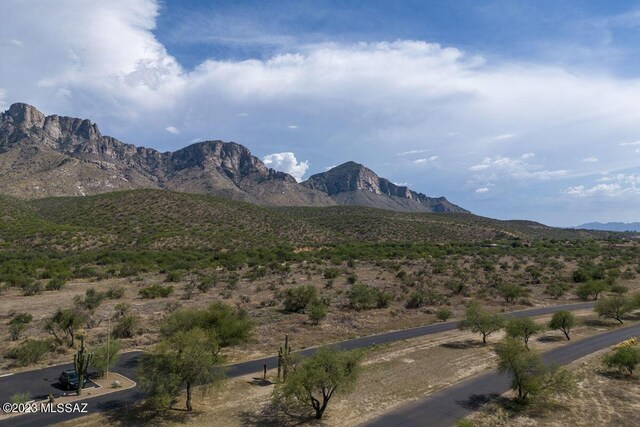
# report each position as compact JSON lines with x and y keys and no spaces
{"x":40,"y":383}
{"x":445,"y":407}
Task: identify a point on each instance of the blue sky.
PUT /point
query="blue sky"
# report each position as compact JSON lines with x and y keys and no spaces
{"x":511,"y":109}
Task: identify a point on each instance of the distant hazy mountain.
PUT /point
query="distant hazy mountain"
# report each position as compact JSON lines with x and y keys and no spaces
{"x":611,"y":226}
{"x":353,"y":184}
{"x":43,"y":156}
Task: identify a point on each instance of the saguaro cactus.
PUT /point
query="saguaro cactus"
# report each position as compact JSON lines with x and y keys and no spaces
{"x":81,"y":361}
{"x":284,"y":358}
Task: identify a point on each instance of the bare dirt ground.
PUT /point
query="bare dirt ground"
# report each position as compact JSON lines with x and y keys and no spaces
{"x":604,"y":397}
{"x":392,"y":375}
{"x":262,"y":298}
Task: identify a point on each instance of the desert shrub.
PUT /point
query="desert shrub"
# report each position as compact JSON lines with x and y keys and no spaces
{"x":384,"y":299}
{"x":352,"y":278}
{"x":317,"y":311}
{"x":32,"y":288}
{"x":456,"y":287}
{"x":30,"y":351}
{"x":55,"y":284}
{"x":91,"y":300}
{"x":156,"y":291}
{"x":443,"y":313}
{"x":18,"y":323}
{"x":422,"y":298}
{"x":331,"y":273}
{"x":363,"y":297}
{"x":296,"y":299}
{"x":206,"y":283}
{"x":20,"y":398}
{"x":115,"y":292}
{"x":126,"y":327}
{"x":174,"y":276}
{"x":85,"y":272}
{"x":122,"y":309}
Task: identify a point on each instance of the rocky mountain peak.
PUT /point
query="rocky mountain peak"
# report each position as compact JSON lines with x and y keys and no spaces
{"x":26,"y":115}
{"x":353,"y":183}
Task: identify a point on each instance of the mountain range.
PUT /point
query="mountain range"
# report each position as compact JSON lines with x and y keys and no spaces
{"x":611,"y":226}
{"x":43,"y":156}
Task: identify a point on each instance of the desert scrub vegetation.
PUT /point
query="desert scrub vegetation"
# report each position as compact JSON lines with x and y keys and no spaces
{"x":364,"y":297}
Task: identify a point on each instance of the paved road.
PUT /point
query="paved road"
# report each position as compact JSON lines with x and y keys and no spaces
{"x":40,"y":383}
{"x":445,"y":407}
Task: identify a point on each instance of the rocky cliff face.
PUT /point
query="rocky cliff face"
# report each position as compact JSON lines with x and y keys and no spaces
{"x":353,"y":184}
{"x":44,"y":156}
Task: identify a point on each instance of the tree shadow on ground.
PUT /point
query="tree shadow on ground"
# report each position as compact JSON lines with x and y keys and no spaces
{"x":271,"y":416}
{"x":615,"y":374}
{"x":261,"y":382}
{"x":477,"y":401}
{"x":600,"y":323}
{"x":141,"y":415}
{"x":551,"y":338}
{"x":463,"y":344}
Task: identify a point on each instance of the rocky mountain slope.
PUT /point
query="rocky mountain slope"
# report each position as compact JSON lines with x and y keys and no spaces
{"x":43,"y":156}
{"x":354,"y":184}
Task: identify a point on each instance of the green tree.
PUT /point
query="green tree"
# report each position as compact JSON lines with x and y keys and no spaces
{"x":530,"y":377}
{"x":315,"y":380}
{"x":555,"y":290}
{"x":522,"y":328}
{"x":188,"y":358}
{"x":511,"y":292}
{"x":64,"y":324}
{"x":106,"y":356}
{"x":624,"y":357}
{"x":564,"y":321}
{"x":592,"y":289}
{"x":231,"y":327}
{"x":614,"y":307}
{"x":478,"y":320}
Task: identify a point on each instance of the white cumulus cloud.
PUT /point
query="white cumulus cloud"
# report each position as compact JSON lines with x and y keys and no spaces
{"x":287,"y":162}
{"x":172,"y":129}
